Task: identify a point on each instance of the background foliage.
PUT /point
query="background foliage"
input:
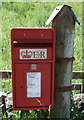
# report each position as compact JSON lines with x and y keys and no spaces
{"x":32,"y":14}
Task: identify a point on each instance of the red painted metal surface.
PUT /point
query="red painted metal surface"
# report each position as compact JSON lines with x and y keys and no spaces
{"x":65,"y":59}
{"x":66,"y":88}
{"x":33,"y":51}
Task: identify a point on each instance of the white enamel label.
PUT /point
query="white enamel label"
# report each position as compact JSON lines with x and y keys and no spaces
{"x":33,"y":54}
{"x":33,"y":84}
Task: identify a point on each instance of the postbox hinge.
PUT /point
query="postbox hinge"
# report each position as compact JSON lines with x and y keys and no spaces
{"x":65,"y":59}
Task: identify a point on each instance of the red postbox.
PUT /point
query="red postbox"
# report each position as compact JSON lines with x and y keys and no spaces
{"x":33,"y":61}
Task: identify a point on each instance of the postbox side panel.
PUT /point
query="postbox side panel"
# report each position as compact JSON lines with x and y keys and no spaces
{"x":23,"y":75}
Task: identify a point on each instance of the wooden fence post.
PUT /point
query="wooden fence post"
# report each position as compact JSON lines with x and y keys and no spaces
{"x":64,"y":22}
{"x":82,"y":86}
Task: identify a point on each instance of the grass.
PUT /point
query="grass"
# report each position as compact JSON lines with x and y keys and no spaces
{"x":15,"y":14}
{"x":32,"y":14}
{"x":76,"y":80}
{"x":5,"y":85}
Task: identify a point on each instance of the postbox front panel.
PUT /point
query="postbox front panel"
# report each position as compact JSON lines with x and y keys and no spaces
{"x":32,"y":86}
{"x":33,"y":58}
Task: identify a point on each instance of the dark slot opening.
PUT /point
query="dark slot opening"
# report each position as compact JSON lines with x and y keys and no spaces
{"x":32,"y":44}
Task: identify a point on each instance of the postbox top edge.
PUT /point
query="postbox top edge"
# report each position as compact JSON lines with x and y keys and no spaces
{"x":48,"y":29}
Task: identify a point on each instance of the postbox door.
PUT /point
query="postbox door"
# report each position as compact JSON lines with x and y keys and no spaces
{"x":39,"y":93}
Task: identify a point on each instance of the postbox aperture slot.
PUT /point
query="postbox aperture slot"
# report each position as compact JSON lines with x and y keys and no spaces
{"x":16,"y":41}
{"x":33,"y":44}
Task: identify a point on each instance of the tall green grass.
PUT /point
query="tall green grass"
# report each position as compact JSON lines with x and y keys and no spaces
{"x":30,"y":14}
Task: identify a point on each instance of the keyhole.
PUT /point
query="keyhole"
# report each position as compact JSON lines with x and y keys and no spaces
{"x":21,"y":86}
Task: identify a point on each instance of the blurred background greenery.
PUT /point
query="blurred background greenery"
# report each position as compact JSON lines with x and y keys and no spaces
{"x":34,"y":14}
